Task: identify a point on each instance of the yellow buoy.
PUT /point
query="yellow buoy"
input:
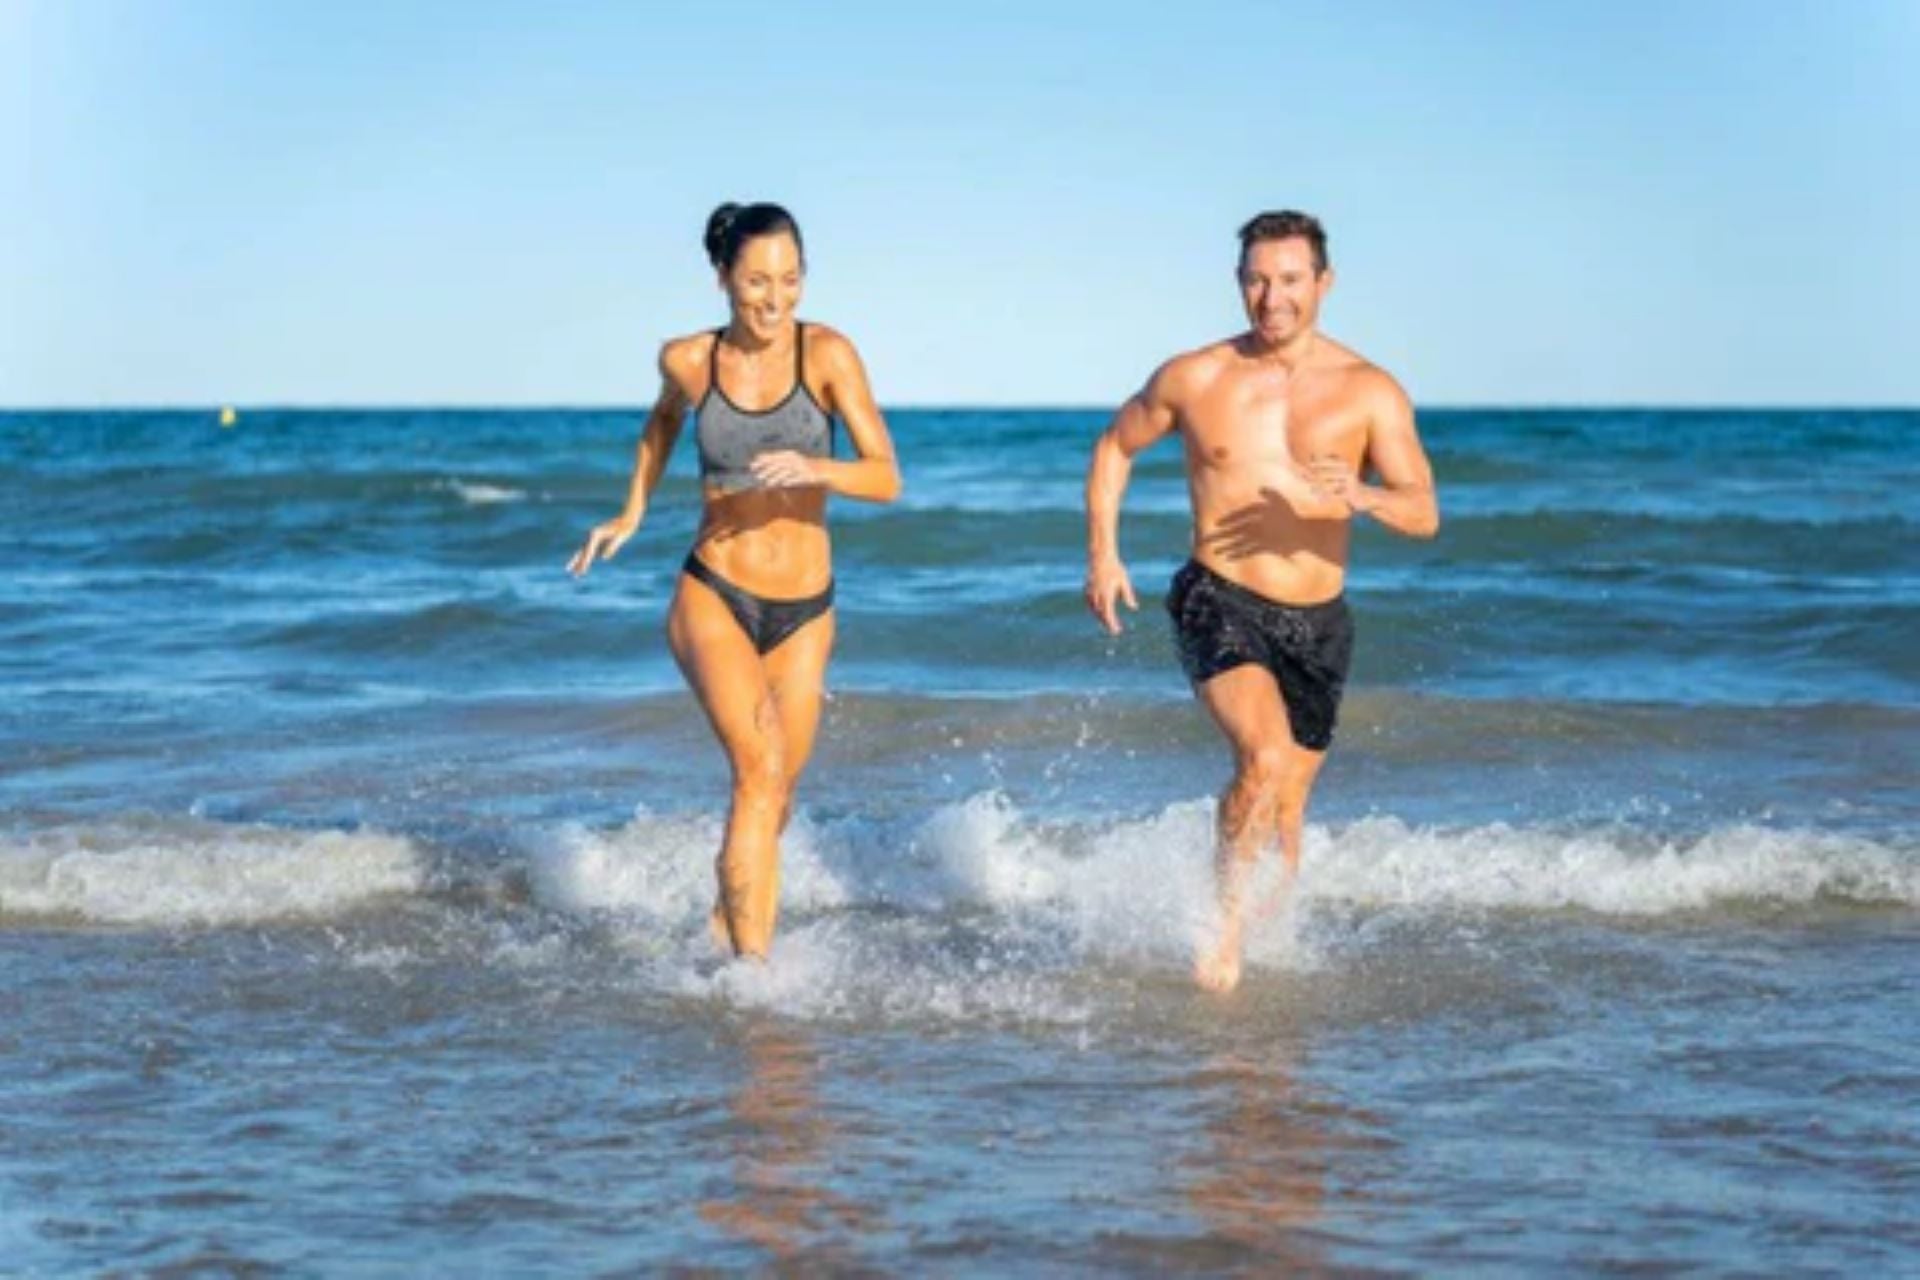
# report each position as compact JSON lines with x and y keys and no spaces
{"x":227,"y":416}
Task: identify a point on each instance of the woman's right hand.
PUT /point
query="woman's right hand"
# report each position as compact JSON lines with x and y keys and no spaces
{"x":602,"y":543}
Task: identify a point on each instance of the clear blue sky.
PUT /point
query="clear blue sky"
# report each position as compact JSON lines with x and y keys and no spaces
{"x":348,"y":202}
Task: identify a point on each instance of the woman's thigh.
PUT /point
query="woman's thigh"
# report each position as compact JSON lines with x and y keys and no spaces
{"x":796,"y":673}
{"x":726,"y":674}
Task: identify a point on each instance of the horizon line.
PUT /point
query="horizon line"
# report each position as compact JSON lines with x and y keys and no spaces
{"x":609,"y":406}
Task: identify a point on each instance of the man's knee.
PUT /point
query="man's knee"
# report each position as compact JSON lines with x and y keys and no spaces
{"x":1290,"y":806}
{"x":1263,"y":770}
{"x":1273,"y":776}
{"x":1290,"y":801}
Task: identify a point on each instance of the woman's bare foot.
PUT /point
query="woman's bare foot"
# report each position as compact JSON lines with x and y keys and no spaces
{"x":1217,"y":967}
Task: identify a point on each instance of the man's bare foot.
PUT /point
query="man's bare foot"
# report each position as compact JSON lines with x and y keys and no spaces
{"x":1276,"y":900}
{"x":1217,"y":967}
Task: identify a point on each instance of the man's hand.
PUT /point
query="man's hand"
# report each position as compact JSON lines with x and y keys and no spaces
{"x":1106,"y":584}
{"x":1335,"y":479}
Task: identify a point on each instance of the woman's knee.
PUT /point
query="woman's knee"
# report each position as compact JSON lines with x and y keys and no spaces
{"x":760,"y":775}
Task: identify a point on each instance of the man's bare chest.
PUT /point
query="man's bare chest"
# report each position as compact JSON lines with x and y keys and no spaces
{"x":1251,"y":426}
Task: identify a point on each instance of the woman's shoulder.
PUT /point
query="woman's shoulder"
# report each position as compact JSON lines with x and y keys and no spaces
{"x":684,"y":359}
{"x":828,"y":346}
{"x":699,"y":344}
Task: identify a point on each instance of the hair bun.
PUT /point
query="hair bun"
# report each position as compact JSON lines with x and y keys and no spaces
{"x":718,"y":223}
{"x":732,"y":225}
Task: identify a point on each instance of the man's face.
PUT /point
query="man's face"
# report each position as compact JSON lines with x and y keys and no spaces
{"x":1280,"y":289}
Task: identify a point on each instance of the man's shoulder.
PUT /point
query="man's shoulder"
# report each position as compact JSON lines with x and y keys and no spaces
{"x":1208,"y":359}
{"x":1362,"y":378}
{"x":1190,"y":371}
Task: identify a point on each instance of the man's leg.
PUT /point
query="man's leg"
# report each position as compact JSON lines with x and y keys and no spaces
{"x":1266,"y":800}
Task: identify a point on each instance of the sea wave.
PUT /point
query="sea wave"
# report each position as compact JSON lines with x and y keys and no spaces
{"x":476,"y":494}
{"x":187,"y":872}
{"x":1113,"y":887}
{"x":976,"y":913}
{"x":1384,"y":863}
{"x":983,"y":851}
{"x":979,"y":912}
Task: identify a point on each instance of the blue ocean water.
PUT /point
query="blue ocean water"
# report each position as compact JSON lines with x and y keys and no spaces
{"x":354,"y":860}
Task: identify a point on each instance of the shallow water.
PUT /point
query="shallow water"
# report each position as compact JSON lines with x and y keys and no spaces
{"x":354,"y":867}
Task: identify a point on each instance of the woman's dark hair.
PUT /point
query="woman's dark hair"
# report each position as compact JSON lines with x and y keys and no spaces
{"x":732,"y":225}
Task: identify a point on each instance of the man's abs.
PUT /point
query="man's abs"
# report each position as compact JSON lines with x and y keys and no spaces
{"x":1274,"y":539}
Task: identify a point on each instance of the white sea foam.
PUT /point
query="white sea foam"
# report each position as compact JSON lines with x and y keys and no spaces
{"x":1139,"y":888}
{"x":973,"y":913}
{"x":192,"y":872}
{"x":891,"y":970}
{"x":977,"y":910}
{"x":980,"y":911}
{"x":980,"y":853}
{"x":480,"y":495}
{"x":1385,"y":863}
{"x":1124,"y":881}
{"x":1132,"y":876}
{"x":661,"y":868}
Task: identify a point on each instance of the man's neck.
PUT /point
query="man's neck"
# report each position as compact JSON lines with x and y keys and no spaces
{"x":1292,"y":354}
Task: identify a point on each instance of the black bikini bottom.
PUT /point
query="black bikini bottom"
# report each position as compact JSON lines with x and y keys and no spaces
{"x":766,"y":622}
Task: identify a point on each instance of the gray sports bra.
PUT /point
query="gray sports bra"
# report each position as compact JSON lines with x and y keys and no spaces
{"x":729,"y":437}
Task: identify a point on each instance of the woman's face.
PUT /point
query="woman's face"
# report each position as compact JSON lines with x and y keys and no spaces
{"x":764,"y":284}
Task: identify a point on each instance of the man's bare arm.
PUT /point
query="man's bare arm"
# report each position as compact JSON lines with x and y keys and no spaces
{"x":1146,"y":417}
{"x":1404,"y":500}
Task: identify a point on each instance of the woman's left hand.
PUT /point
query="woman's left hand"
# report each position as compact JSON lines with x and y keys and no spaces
{"x":785,"y":469}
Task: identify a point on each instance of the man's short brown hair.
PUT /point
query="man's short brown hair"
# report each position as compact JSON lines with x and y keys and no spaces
{"x":1285,"y":225}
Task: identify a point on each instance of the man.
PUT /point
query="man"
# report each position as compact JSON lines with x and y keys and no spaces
{"x":1279,"y":425}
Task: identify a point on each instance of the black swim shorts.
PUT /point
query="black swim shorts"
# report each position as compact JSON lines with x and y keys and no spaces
{"x":1219,"y":625}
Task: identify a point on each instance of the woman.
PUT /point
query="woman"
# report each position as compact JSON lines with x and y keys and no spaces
{"x":752,"y":621}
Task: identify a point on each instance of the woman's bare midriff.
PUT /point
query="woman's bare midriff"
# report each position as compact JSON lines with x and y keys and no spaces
{"x":771,"y":542}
